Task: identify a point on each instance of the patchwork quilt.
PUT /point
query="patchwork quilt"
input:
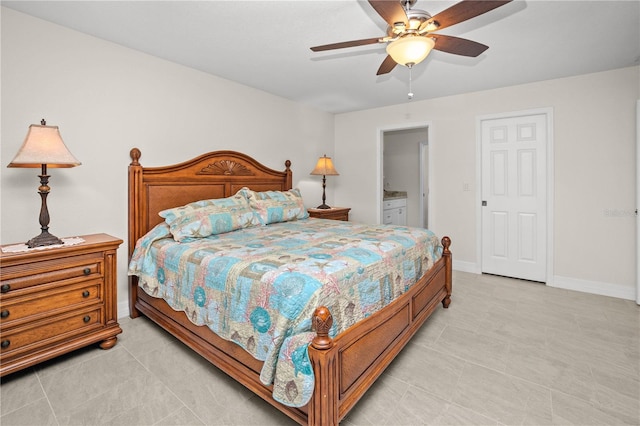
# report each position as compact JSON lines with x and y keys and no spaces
{"x":259,"y":286}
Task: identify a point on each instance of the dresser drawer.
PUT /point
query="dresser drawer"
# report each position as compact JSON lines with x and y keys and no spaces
{"x":17,"y":277}
{"x":30,"y":307}
{"x":48,"y":331}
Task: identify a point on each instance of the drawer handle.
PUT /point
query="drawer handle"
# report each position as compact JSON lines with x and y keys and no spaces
{"x":86,"y":293}
{"x":4,"y":313}
{"x":5,"y":344}
{"x":5,"y":288}
{"x":87,"y":318}
{"x":87,"y":271}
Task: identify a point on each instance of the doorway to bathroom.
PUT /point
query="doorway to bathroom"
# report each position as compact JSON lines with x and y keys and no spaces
{"x":405,"y":176}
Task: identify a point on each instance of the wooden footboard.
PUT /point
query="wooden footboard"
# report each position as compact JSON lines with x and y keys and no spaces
{"x":344,"y":367}
{"x":348,"y":365}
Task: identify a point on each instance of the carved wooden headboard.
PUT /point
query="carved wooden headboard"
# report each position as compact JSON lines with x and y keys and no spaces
{"x":216,"y":174}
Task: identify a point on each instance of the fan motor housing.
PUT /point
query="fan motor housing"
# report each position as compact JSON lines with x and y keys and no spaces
{"x":418,"y":20}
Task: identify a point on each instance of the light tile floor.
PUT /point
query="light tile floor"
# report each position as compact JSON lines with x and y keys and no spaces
{"x":506,"y":352}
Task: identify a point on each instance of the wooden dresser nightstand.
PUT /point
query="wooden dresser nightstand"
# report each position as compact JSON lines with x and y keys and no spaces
{"x":335,"y":213}
{"x":56,"y":300}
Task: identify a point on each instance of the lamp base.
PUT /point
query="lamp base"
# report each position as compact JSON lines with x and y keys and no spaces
{"x":323,"y":207}
{"x":44,"y":239}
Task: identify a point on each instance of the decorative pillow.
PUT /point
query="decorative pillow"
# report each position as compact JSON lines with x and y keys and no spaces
{"x":277,"y":206}
{"x":209,"y":217}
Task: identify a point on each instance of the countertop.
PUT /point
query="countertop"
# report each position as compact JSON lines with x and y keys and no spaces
{"x":393,"y":195}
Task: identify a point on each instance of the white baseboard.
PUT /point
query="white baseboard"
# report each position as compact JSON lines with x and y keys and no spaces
{"x":586,"y":286}
{"x":123,"y":309}
{"x":595,"y":287}
{"x":463,"y":266}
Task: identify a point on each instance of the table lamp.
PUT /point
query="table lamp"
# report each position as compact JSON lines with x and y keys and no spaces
{"x":44,"y":147}
{"x":324,"y":167}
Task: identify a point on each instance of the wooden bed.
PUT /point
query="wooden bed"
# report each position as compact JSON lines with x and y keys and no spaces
{"x":345,"y":366}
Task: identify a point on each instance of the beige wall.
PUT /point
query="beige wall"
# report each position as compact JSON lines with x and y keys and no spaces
{"x":594,"y":140}
{"x":108,"y":99}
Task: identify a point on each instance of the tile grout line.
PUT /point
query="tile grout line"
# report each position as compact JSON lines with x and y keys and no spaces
{"x":46,"y":395}
{"x":168,"y":388}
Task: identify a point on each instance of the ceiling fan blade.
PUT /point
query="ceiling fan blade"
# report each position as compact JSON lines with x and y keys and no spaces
{"x":387,"y":65}
{"x":390,"y":10}
{"x":344,"y":44}
{"x":464,"y":10}
{"x":457,"y":45}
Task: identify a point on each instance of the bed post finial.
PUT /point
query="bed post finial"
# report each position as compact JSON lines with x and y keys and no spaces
{"x":323,"y":354}
{"x":135,"y":156}
{"x":321,"y":323}
{"x":446,"y":243}
{"x":287,"y":164}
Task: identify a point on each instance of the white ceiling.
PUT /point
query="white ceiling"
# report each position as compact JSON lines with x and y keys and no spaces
{"x":265,"y":44}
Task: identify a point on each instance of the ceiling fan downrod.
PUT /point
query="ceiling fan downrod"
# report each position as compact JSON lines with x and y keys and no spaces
{"x":407,"y":4}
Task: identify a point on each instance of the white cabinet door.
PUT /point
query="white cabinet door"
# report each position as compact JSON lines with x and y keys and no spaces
{"x":401,"y":216}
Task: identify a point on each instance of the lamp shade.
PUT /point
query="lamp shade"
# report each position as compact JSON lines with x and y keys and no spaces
{"x":43,"y":145}
{"x":410,"y":50}
{"x":324,"y":167}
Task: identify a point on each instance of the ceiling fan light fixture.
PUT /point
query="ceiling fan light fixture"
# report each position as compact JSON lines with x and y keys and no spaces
{"x":414,"y":24}
{"x":410,"y":50}
{"x":431,"y":26}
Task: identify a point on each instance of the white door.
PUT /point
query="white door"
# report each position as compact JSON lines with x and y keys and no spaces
{"x":514,"y":196}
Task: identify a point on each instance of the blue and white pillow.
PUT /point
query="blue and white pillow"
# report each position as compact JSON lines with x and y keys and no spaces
{"x":210,"y":217}
{"x":277,"y":206}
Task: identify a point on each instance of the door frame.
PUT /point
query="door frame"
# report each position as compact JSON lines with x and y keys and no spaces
{"x":380,"y":163}
{"x":424,"y":191}
{"x":548,"y":113}
{"x":637,"y":200}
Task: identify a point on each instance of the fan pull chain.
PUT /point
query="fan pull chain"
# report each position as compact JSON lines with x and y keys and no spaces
{"x":410,"y":94}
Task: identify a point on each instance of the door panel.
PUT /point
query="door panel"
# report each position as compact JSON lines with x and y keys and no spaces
{"x":527,"y":236}
{"x":526,"y":169}
{"x":499,"y":176}
{"x":500,"y":234}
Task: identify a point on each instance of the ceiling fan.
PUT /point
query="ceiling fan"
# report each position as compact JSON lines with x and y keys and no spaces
{"x":410,"y":34}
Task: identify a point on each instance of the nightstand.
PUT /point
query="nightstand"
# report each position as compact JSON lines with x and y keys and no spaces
{"x":56,"y":300}
{"x":335,"y":213}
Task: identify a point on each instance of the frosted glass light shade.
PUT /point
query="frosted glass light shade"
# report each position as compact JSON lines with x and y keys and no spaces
{"x":43,"y":145}
{"x":324,"y":167}
{"x":410,"y":50}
